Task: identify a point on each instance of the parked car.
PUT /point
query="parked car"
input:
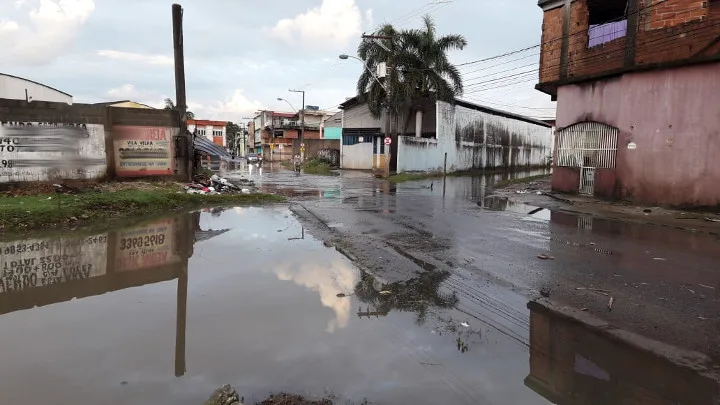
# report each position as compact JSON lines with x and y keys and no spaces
{"x":253,"y":158}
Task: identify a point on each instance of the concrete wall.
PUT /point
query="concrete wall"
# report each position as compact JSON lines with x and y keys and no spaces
{"x":359,"y":116}
{"x":15,"y":88}
{"x":475,"y":139}
{"x":672,"y":118}
{"x":42,"y":141}
{"x":332,"y":133}
{"x":358,"y":156}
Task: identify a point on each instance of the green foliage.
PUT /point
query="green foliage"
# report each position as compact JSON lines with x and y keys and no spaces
{"x":422,"y":67}
{"x":317,"y":166}
{"x":43,"y":211}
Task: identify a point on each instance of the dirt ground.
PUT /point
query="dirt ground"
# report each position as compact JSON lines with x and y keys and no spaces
{"x":84,"y":185}
{"x":288,"y":399}
{"x":539,"y":193}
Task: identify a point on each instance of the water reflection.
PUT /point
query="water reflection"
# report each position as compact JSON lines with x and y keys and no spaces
{"x":573,"y":364}
{"x":40,"y":272}
{"x":417,"y":295}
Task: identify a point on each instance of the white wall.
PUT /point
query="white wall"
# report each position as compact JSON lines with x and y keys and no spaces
{"x":14,"y":88}
{"x":475,"y":139}
{"x":358,"y":156}
{"x":35,"y":152}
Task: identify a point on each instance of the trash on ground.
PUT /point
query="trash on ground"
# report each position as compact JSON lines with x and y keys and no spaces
{"x":712,"y":220}
{"x":610,"y":303}
{"x":706,"y":286}
{"x":216,"y":185}
{"x":662,"y":259}
{"x":465,"y":324}
{"x":585,"y":309}
{"x":385,"y":292}
{"x":545,"y":292}
{"x":545,"y":257}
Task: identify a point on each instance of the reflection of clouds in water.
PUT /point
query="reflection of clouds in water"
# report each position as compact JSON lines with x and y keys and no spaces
{"x":328,"y":279}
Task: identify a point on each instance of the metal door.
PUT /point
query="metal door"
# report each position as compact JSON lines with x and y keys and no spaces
{"x":587,"y":180}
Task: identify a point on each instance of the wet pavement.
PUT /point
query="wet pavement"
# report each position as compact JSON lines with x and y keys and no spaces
{"x":432,"y":309}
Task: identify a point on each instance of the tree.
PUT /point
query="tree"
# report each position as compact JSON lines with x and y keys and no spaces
{"x":170,"y":105}
{"x":233,"y":134}
{"x":422,"y":68}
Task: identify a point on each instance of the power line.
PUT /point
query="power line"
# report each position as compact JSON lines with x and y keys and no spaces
{"x":579,"y":32}
{"x":658,"y":41}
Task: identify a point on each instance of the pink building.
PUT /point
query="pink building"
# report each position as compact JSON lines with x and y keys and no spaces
{"x":638,"y":89}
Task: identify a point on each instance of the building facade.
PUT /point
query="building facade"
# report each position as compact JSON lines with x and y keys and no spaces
{"x":275,"y":131}
{"x":637,"y":84}
{"x":17,"y":88}
{"x":438,"y":136}
{"x":214,"y":131}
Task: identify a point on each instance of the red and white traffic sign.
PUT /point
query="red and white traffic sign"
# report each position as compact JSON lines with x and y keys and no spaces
{"x":388,"y":141}
{"x":302,"y":145}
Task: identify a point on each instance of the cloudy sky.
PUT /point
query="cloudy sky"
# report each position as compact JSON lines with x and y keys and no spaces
{"x":241,"y":55}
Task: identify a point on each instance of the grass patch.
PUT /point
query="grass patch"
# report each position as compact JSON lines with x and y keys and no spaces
{"x":510,"y":182}
{"x":57,"y":211}
{"x":317,"y":166}
{"x":403,"y":177}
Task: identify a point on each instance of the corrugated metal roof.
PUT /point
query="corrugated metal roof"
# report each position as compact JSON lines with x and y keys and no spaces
{"x":204,"y":145}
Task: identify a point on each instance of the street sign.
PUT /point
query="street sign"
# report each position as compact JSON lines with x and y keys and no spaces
{"x":281,"y":146}
{"x":302,"y":145}
{"x":388,"y":141}
{"x":302,"y":149}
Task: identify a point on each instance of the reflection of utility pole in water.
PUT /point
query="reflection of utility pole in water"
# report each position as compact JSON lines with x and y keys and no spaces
{"x":181,"y":321}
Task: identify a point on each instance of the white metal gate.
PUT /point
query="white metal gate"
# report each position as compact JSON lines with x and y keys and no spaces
{"x":587,"y":146}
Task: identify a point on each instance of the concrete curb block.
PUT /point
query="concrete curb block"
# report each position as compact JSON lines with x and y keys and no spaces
{"x":679,"y":357}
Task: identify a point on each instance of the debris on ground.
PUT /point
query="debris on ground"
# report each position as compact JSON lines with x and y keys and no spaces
{"x":545,"y":292}
{"x":543,"y":256}
{"x":224,"y":395}
{"x":712,"y":219}
{"x":610,"y":303}
{"x":288,"y":399}
{"x":218,"y":185}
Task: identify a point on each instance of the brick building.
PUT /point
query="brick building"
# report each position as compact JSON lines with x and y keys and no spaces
{"x":275,"y":131}
{"x":638,"y":88}
{"x":214,"y":131}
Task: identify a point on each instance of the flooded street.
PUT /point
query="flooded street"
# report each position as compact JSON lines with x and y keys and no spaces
{"x":432,"y":308}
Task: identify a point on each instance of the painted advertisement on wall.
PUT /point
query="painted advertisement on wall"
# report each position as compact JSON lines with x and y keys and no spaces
{"x":146,"y":246}
{"x":35,"y":263}
{"x":46,"y":151}
{"x":143,"y":151}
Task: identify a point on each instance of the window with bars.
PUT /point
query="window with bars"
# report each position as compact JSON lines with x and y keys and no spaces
{"x":587,"y":144}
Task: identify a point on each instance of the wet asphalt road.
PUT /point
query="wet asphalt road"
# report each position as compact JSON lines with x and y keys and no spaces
{"x":427,"y":304}
{"x":664,"y":283}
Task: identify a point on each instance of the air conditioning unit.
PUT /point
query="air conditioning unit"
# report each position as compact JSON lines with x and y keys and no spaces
{"x":381,"y":69}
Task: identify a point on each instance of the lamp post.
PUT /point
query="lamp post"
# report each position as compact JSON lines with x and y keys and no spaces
{"x":302,"y":123}
{"x":389,"y":109}
{"x":288,"y":103}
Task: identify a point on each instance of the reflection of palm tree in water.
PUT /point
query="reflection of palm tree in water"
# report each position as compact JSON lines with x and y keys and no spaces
{"x":417,"y":295}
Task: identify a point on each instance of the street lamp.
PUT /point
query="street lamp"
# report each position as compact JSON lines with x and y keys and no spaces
{"x":374,"y":76}
{"x":291,"y":106}
{"x":302,"y":122}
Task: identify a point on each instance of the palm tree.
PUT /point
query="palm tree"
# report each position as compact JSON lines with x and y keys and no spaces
{"x":422,"y":68}
{"x":170,"y":105}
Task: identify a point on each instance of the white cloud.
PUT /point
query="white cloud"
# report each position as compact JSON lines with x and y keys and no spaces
{"x":125,"y":92}
{"x":51,"y":30}
{"x":137,"y":57}
{"x":233,"y":108}
{"x":335,"y":22}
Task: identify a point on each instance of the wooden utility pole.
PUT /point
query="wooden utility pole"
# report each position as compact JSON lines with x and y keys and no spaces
{"x":180,"y":96}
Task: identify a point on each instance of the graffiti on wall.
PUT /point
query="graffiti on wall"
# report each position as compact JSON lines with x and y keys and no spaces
{"x":143,"y":151}
{"x":144,"y":246}
{"x":43,"y":151}
{"x":35,"y":263}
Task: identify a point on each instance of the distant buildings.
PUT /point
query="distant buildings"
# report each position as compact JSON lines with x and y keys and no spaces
{"x":214,"y":131}
{"x":275,"y":131}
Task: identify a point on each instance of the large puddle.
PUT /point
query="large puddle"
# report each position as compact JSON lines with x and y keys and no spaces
{"x":165,"y":311}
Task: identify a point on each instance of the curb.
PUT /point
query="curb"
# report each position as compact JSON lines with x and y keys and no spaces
{"x":683,"y":358}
